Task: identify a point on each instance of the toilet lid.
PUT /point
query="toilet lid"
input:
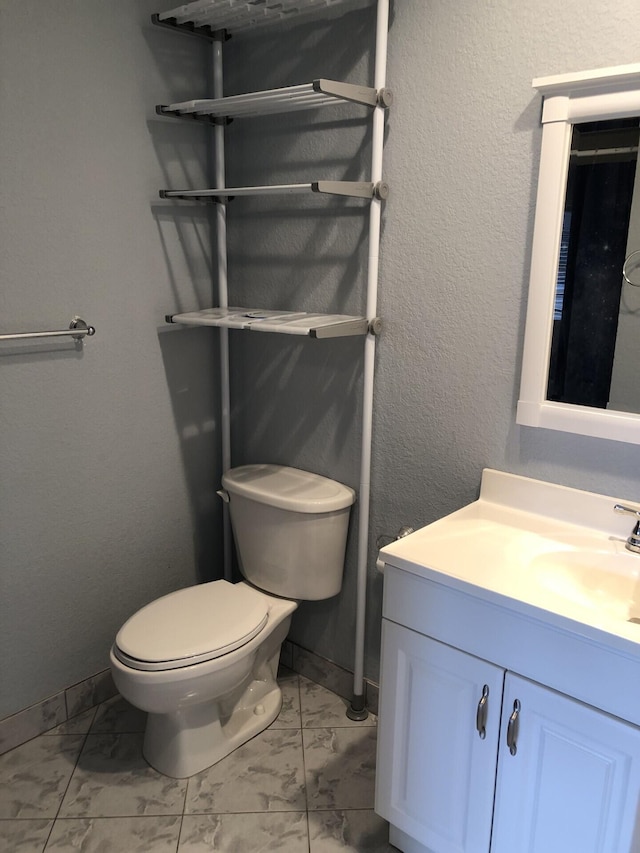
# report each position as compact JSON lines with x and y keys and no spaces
{"x":192,"y":625}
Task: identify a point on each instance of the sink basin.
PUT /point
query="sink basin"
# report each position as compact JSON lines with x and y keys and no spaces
{"x":540,"y":582}
{"x":520,"y":546}
{"x":604,"y":582}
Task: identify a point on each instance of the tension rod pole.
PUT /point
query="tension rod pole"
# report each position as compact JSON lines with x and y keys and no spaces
{"x":358,"y":711}
{"x":223,"y":297}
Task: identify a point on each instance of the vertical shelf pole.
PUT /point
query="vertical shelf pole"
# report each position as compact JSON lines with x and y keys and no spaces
{"x":358,"y":711}
{"x":223,"y":296}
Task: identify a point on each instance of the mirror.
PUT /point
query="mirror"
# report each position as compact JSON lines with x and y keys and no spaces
{"x":589,"y":343}
{"x":582,"y":337}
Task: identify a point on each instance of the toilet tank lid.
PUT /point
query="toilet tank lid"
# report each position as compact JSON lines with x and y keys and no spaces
{"x":288,"y":488}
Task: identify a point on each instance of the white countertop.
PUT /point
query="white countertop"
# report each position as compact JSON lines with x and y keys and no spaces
{"x":544,"y":550}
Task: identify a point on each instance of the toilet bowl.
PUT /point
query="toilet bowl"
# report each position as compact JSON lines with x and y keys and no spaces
{"x":203,"y":705}
{"x":203,"y":661}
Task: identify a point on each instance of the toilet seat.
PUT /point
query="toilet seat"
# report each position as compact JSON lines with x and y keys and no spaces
{"x":191,"y":626}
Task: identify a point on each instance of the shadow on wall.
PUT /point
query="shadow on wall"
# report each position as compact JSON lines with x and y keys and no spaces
{"x":299,"y":403}
{"x":190,"y":359}
{"x":304,"y":403}
{"x":28,"y":351}
{"x":306,"y":50}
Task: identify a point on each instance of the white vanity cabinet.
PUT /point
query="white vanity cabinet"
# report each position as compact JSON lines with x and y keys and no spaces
{"x":436,"y":775}
{"x":525,"y":769}
{"x":573,"y":781}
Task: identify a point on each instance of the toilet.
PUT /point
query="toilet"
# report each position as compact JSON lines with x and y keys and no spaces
{"x":203,"y":661}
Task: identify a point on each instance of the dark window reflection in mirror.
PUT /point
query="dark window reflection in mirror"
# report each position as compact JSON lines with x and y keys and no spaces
{"x":598,"y":208}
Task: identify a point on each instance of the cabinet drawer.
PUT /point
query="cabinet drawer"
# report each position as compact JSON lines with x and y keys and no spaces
{"x":517,"y":637}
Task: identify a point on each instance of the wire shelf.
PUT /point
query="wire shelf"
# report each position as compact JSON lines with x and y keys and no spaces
{"x":351,"y":189}
{"x":282,"y":322}
{"x":318,"y":93}
{"x":204,"y":17}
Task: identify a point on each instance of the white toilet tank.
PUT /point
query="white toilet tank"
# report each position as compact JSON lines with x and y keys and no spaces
{"x":290,"y":529}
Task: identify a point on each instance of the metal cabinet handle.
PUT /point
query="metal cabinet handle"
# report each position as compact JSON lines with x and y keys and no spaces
{"x":481,"y":713}
{"x":512,"y":728}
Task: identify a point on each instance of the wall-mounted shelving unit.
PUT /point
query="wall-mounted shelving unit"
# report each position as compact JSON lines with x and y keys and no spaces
{"x":217,"y":20}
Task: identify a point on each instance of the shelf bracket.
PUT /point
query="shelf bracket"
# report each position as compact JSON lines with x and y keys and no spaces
{"x":381,"y":190}
{"x":352,"y":189}
{"x":355,"y":94}
{"x":385,"y":97}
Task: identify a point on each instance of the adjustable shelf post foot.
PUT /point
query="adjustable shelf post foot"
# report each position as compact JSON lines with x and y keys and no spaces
{"x":357,"y":711}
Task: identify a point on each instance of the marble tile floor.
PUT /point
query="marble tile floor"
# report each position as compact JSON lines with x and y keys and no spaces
{"x":304,"y":785}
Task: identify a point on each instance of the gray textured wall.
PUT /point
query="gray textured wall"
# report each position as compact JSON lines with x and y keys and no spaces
{"x":462,"y":160}
{"x":461,"y":157}
{"x":108,"y":452}
{"x":79,"y":169}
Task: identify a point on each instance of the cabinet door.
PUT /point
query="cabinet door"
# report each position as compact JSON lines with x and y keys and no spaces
{"x":436,"y":774}
{"x":574,"y":781}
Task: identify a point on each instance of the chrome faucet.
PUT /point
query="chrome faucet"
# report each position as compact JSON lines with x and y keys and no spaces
{"x":633,"y":542}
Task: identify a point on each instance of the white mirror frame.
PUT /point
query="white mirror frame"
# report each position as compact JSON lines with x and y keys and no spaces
{"x":606,"y":93}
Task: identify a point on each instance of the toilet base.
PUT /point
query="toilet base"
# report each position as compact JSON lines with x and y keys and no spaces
{"x":199,"y":714}
{"x":188,"y":741}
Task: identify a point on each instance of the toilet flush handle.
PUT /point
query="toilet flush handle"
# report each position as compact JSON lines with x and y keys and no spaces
{"x":224,"y":495}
